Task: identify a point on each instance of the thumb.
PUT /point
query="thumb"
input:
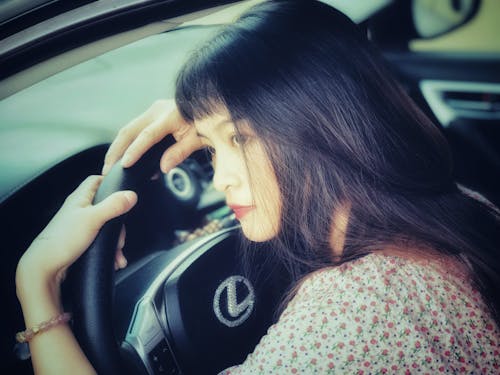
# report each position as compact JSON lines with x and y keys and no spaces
{"x":115,"y":205}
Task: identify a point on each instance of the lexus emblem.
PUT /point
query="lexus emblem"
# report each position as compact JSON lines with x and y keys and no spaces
{"x":234,"y":300}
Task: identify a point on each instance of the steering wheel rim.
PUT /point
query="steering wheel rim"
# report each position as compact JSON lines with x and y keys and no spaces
{"x":93,"y":273}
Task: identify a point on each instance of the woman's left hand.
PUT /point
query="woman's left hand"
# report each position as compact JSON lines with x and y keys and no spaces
{"x":69,"y":234}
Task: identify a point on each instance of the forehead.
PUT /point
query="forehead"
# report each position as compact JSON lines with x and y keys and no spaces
{"x":213,"y":123}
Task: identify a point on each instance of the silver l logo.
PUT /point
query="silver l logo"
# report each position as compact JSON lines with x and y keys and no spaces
{"x":237,"y":312}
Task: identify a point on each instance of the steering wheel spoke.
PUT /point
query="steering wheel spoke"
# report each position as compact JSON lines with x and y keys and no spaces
{"x":147,"y":338}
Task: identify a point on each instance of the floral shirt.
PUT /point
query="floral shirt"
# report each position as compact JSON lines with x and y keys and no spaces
{"x":380,"y":314}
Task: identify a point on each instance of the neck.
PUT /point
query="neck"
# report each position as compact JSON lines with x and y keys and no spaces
{"x":339,"y":228}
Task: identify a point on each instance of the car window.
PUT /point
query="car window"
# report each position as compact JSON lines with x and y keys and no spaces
{"x":86,"y":105}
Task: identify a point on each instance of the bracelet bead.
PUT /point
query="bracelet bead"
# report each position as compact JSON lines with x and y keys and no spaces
{"x":28,"y":334}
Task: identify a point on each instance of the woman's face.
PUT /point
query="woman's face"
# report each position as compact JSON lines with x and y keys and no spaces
{"x":246,"y":178}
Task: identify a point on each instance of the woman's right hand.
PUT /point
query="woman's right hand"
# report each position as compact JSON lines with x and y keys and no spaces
{"x":134,"y":139}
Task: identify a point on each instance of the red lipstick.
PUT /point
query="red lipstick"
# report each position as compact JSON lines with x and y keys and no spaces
{"x":240,"y":211}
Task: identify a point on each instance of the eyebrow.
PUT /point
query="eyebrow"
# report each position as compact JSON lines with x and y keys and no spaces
{"x":222,"y":122}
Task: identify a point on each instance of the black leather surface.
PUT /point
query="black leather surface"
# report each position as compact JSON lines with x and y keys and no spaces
{"x":93,"y":273}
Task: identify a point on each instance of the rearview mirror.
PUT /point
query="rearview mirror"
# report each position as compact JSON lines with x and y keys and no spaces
{"x":432,"y":18}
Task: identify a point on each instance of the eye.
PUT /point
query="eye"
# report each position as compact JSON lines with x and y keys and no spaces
{"x":238,"y":139}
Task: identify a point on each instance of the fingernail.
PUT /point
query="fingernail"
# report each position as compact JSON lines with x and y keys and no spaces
{"x":165,"y":165}
{"x":130,"y":196}
{"x":122,"y":262}
{"x":126,"y":160}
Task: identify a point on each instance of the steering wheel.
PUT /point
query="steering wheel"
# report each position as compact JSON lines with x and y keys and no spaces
{"x":189,"y":302}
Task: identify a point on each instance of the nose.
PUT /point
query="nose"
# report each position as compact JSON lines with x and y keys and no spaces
{"x":226,"y":173}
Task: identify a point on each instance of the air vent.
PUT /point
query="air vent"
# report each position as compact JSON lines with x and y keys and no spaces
{"x":450,"y":100}
{"x":477,"y":101}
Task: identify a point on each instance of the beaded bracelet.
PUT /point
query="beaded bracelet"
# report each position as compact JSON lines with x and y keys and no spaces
{"x":27,"y":335}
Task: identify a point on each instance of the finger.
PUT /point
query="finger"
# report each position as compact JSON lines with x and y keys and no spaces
{"x":125,"y":137}
{"x":121,"y":238}
{"x":179,"y":151}
{"x":85,"y":192}
{"x":148,"y":137}
{"x":113,"y":206}
{"x":120,"y":260}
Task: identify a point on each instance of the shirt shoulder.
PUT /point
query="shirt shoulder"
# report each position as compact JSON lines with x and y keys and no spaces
{"x":378,"y":314}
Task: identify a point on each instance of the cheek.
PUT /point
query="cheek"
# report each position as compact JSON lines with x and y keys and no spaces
{"x":264,"y":223}
{"x":271,"y":193}
{"x":267,"y":197}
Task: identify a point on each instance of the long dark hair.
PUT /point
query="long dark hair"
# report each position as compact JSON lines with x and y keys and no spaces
{"x":339,"y":131}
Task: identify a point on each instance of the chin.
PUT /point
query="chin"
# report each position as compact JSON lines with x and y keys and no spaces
{"x":260,"y":233}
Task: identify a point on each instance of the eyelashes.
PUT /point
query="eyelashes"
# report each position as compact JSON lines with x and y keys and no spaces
{"x":235,"y":140}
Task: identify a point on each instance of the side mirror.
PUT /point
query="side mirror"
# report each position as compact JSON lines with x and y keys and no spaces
{"x":432,"y":18}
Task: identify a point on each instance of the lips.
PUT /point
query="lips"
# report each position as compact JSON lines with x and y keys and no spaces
{"x":240,"y":211}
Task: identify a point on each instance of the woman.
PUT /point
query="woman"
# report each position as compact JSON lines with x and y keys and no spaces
{"x":318,"y":150}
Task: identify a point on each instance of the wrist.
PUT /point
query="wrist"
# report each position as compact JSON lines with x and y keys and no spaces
{"x":38,"y":302}
{"x":32,"y":284}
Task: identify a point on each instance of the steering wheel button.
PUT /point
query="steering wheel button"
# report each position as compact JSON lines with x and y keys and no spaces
{"x":161,"y":360}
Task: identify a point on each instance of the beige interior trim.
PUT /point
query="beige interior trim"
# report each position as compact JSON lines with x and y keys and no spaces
{"x":479,"y":35}
{"x":26,"y":78}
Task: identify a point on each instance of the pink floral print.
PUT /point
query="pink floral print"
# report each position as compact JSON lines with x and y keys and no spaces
{"x":380,"y":315}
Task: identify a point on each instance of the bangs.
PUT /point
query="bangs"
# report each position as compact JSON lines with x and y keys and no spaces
{"x":204,"y":82}
{"x":222,"y":74}
{"x":196,"y":94}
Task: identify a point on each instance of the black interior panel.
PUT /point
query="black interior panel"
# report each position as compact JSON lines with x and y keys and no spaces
{"x":475,"y":142}
{"x":22,"y":217}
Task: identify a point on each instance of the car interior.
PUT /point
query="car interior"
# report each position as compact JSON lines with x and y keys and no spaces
{"x":193,"y":299}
